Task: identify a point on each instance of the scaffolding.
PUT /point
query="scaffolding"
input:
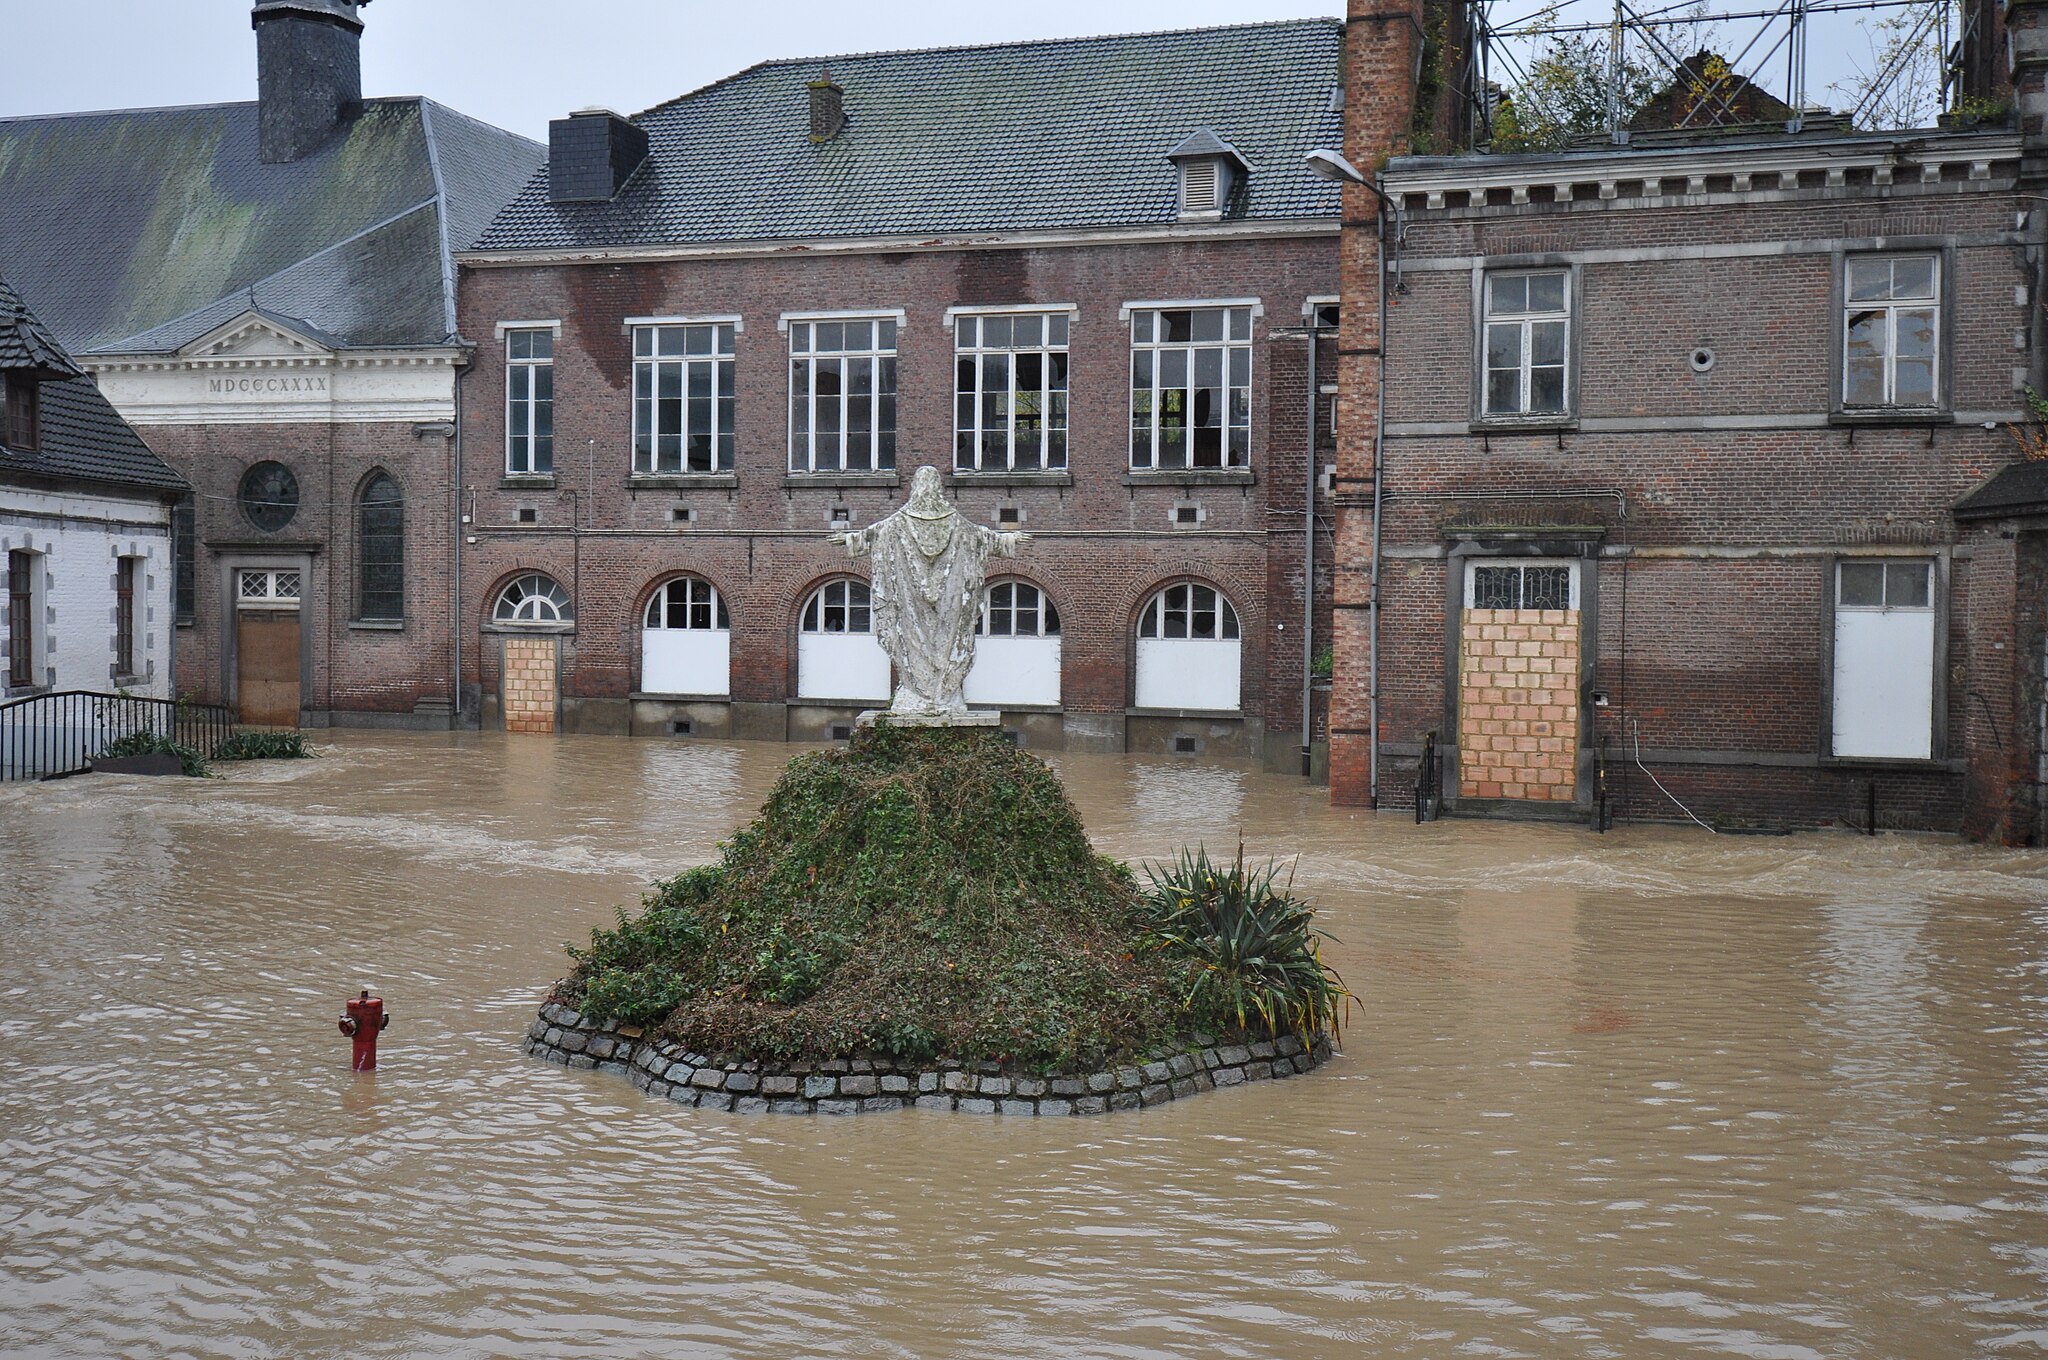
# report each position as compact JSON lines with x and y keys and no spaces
{"x":1760,"y":48}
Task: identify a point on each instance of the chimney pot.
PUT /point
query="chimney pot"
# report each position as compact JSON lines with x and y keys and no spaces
{"x":828,"y":108}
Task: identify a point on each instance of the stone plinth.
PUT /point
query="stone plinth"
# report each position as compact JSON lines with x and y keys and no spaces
{"x":963,"y":718}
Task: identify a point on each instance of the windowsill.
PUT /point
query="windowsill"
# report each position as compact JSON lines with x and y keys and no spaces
{"x":638,"y":696}
{"x":681,"y":481}
{"x":526,"y":481}
{"x":185,"y":623}
{"x":1936,"y":764}
{"x":1238,"y":476}
{"x":376,"y":625}
{"x":127,"y":681}
{"x":1233,"y":714}
{"x":531,"y":629}
{"x":1016,"y":708}
{"x":858,"y":705}
{"x":1916,"y":417}
{"x":794,"y":480}
{"x":964,"y":477}
{"x":1558,"y":424}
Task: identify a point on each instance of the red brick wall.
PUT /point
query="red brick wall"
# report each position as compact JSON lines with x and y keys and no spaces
{"x":1103,"y":546}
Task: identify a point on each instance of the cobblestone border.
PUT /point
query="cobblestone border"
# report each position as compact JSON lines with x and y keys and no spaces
{"x":860,"y":1085}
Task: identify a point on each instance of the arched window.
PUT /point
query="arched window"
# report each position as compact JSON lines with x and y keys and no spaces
{"x":1190,"y":651}
{"x":839,"y":607}
{"x":1017,"y":609}
{"x":531,"y":599}
{"x":1016,"y":650}
{"x":837,"y":656}
{"x":380,"y":549}
{"x":686,"y":640}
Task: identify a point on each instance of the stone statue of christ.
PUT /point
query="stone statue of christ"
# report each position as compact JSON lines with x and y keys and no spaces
{"x":929,"y":569}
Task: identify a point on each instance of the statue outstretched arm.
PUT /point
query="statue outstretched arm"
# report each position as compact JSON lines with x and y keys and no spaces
{"x":857,"y":542}
{"x":1002,"y":542}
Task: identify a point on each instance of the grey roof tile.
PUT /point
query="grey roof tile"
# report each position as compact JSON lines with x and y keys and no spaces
{"x":1022,"y":136}
{"x":2016,"y":488}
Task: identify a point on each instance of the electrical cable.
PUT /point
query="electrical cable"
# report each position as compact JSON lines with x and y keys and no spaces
{"x":1636,"y":732}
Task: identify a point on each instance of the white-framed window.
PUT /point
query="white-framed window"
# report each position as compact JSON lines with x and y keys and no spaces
{"x":532,"y":599}
{"x":683,"y":398}
{"x":842,"y":395}
{"x":837,"y":656}
{"x":1010,"y":392}
{"x":529,"y":401}
{"x":1528,"y":343}
{"x":1884,"y":659}
{"x":1017,"y":648}
{"x":268,"y":588}
{"x":1191,"y":387}
{"x":686,"y":643}
{"x":1891,"y":330}
{"x":1190,"y":650}
{"x":1522,"y":584}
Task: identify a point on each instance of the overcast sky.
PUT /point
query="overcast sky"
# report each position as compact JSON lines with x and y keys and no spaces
{"x":518,"y":63}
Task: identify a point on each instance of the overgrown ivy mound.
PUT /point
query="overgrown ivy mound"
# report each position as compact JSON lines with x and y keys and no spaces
{"x":923,"y":893}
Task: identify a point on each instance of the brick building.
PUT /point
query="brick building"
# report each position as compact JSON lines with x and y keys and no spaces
{"x":266,"y":290}
{"x":1685,"y":483}
{"x":1079,"y":277}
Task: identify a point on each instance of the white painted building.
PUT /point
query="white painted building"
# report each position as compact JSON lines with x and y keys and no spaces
{"x":85,"y":529}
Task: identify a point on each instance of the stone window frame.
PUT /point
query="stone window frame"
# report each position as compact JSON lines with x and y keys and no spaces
{"x":26,"y":568}
{"x":801,"y":334}
{"x":1938,"y":736}
{"x":1142,"y":318}
{"x":1483,"y":272}
{"x":128,"y":583}
{"x":1942,"y":409}
{"x":721,"y":360}
{"x":1579,"y":546}
{"x":1048,"y":459}
{"x":510,"y":334}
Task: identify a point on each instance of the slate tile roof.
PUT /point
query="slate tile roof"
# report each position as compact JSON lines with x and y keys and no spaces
{"x":2016,"y":489}
{"x":118,"y":224}
{"x":1022,"y":136}
{"x":82,"y":437}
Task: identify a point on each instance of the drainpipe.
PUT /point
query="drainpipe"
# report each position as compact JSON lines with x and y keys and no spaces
{"x":456,"y":610}
{"x":1379,"y":440}
{"x":1308,"y":560}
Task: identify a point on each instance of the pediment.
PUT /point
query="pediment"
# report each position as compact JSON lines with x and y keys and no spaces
{"x":256,"y":335}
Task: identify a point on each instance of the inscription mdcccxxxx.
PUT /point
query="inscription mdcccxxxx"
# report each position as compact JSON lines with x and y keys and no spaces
{"x":264,"y":387}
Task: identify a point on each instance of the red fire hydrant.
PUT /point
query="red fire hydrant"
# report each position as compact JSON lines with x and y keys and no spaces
{"x":364,"y":1020}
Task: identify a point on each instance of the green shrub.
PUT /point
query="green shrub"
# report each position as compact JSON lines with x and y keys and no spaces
{"x":155,"y":744}
{"x":263,"y":746}
{"x":1248,"y":948}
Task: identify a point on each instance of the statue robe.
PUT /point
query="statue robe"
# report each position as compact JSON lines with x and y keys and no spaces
{"x":927,"y":579}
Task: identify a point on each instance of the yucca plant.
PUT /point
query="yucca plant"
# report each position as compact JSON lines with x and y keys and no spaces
{"x":1252,"y":949}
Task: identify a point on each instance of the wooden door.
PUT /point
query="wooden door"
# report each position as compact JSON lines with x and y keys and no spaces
{"x":267,"y":666}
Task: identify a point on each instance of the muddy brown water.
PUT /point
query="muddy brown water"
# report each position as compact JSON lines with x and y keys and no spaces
{"x":1653,"y":1094}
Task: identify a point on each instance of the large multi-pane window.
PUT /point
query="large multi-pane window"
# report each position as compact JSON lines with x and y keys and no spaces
{"x":1891,"y":330}
{"x":1191,"y":387}
{"x":1528,"y":333}
{"x":380,"y":550}
{"x":683,"y":398}
{"x":842,"y":395}
{"x":1010,"y":392}
{"x":530,"y":402}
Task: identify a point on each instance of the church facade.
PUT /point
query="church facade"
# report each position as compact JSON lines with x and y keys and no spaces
{"x":715,"y":334}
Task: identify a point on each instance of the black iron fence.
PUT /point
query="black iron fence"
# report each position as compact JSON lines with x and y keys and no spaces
{"x":46,"y":735}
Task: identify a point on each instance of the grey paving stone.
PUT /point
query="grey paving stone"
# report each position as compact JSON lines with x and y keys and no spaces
{"x":741,"y":1081}
{"x":818,"y":1088}
{"x":1229,"y":1076}
{"x":861,"y":1085}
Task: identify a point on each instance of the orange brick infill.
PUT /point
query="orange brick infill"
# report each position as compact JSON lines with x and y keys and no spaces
{"x":1518,"y":704}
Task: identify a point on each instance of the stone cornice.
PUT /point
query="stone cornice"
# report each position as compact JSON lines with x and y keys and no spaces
{"x":1657,"y":176}
{"x":446,"y":357}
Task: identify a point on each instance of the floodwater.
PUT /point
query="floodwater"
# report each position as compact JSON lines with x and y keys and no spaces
{"x":1652,"y":1094}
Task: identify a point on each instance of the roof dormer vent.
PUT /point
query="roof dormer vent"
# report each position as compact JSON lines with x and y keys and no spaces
{"x":1210,"y":169}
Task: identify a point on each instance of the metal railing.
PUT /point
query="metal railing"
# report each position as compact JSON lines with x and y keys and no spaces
{"x":47,"y":735}
{"x":1429,"y":781}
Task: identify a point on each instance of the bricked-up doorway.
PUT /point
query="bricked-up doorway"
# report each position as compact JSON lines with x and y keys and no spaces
{"x":527,"y":688}
{"x":267,"y":645}
{"x":1519,"y":640}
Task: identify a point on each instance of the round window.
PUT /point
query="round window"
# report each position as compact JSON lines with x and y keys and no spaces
{"x":270,"y":496}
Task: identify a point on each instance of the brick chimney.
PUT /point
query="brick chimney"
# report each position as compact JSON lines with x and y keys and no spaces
{"x":1382,"y":57}
{"x":309,"y":73}
{"x":591,"y":155}
{"x":828,"y":109}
